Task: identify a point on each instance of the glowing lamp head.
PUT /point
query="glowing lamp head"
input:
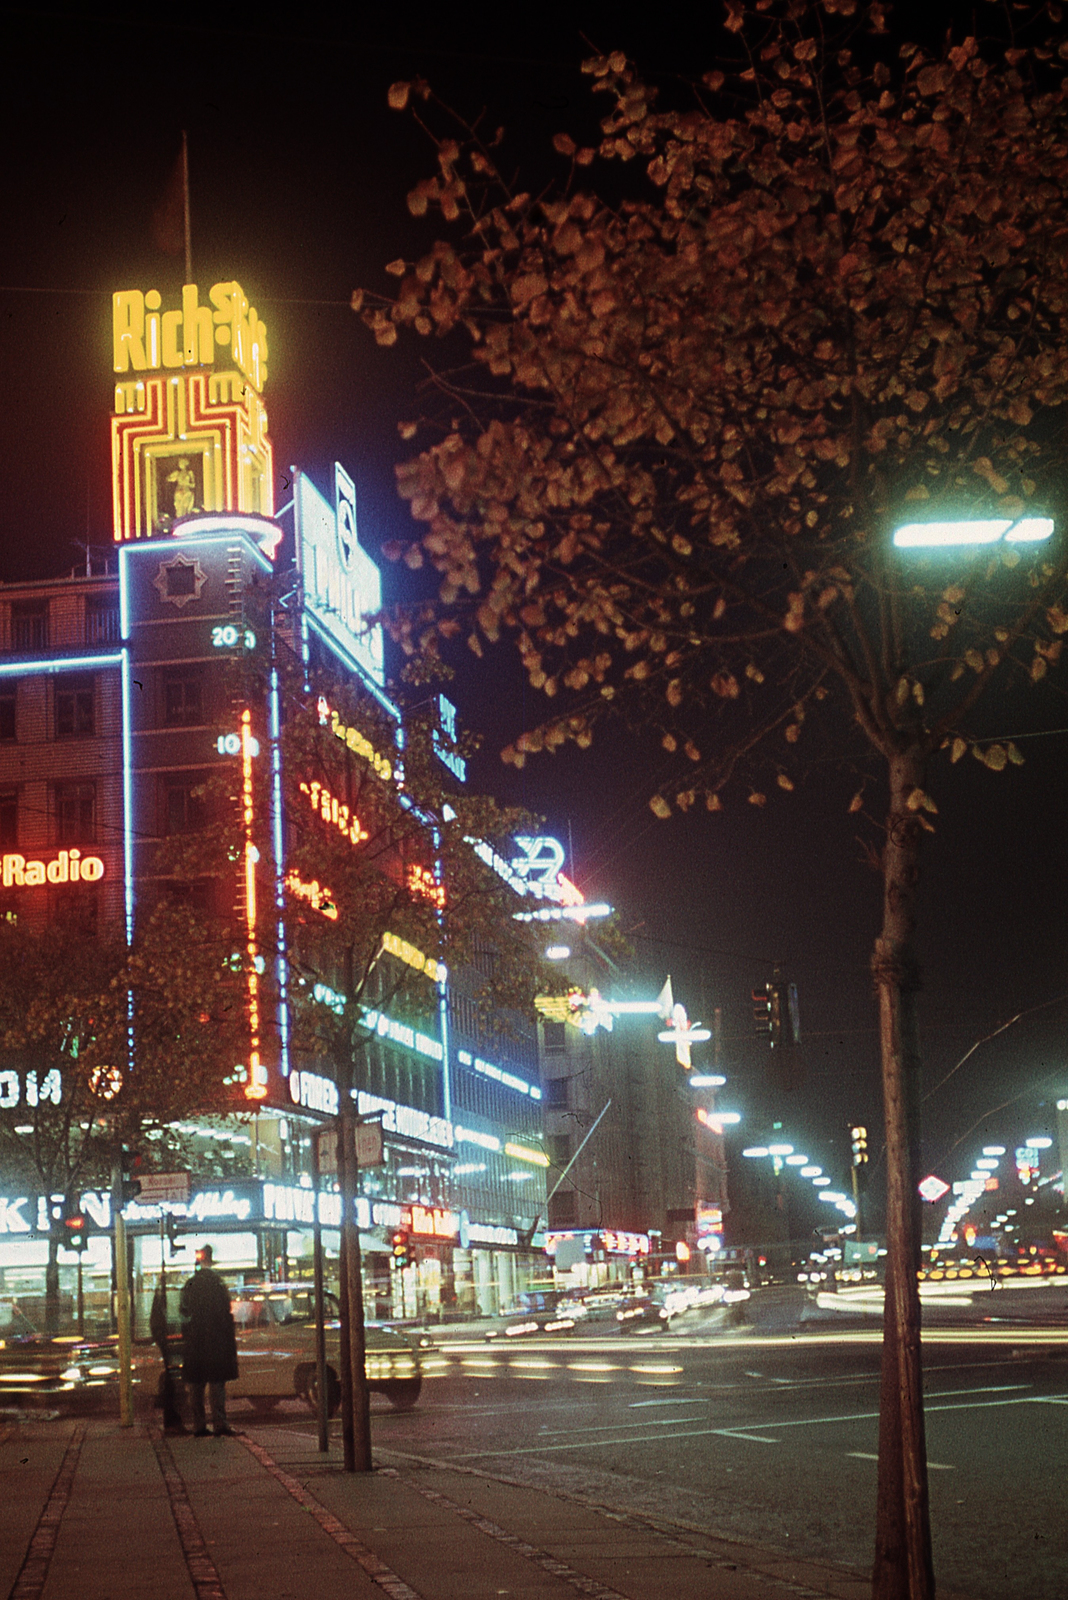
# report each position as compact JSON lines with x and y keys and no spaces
{"x":989,"y":530}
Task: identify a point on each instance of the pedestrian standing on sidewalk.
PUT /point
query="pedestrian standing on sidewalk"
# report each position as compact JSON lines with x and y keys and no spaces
{"x":209,"y":1347}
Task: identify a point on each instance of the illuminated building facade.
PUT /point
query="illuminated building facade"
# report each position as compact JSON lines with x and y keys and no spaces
{"x":120,"y":697}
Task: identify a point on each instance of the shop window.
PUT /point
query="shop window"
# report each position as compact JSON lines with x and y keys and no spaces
{"x":74,"y":811}
{"x":29,"y":625}
{"x":8,"y":725}
{"x":555,"y":1037}
{"x":183,"y":699}
{"x":74,"y":706}
{"x":9,"y":819}
{"x":556,"y":1094}
{"x":563,"y":1209}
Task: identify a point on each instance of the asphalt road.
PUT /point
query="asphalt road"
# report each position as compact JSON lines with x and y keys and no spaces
{"x":772,"y":1436}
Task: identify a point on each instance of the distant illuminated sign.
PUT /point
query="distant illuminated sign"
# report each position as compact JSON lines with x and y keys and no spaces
{"x":422,"y":882}
{"x":436,"y":971}
{"x":36,"y":1092}
{"x":498,"y":1074}
{"x":522,"y":1152}
{"x":334,"y":811}
{"x":342,"y":585}
{"x":354,"y":740}
{"x":319,"y":898}
{"x":434,"y":1222}
{"x":407,"y":1121}
{"x":69,"y":866}
{"x":227,"y":636}
{"x":404,"y":1034}
{"x":146,"y":338}
{"x":256,"y":1086}
{"x":444,"y":740}
{"x":313,"y":1092}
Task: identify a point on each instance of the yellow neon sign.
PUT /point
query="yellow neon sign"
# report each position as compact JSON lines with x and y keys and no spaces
{"x":69,"y":866}
{"x":436,"y":971}
{"x":334,"y":811}
{"x":319,"y":898}
{"x":145,"y":338}
{"x":421,"y":881}
{"x":520,"y":1152}
{"x":357,"y":742}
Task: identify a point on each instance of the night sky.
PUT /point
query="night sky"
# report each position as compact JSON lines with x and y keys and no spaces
{"x":298,"y":177}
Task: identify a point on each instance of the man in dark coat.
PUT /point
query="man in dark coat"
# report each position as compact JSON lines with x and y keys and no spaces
{"x":209,"y":1348}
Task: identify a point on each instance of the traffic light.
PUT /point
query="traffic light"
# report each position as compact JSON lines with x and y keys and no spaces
{"x":73,"y":1227}
{"x":401,"y":1250}
{"x":128,"y":1183}
{"x":170,"y":1222}
{"x":860,"y":1146}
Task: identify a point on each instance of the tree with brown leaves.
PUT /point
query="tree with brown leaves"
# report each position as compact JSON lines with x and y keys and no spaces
{"x":823,"y":295}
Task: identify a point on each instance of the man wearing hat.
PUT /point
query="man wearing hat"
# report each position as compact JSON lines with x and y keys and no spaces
{"x":209,"y":1348}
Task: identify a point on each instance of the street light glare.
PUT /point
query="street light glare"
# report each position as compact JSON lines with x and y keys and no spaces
{"x":927,"y":535}
{"x":780,"y":1149}
{"x":755,"y":1151}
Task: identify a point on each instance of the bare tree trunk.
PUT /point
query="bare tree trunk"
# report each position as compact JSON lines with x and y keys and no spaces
{"x":903,"y":1567}
{"x":52,"y":1318}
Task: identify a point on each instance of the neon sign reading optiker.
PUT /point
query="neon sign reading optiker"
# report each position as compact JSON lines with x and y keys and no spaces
{"x":69,"y":866}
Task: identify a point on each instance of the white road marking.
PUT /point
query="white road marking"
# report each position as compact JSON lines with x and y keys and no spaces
{"x":932,"y":1466}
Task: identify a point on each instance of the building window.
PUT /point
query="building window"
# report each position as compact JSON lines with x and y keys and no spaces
{"x":8,"y":725}
{"x":74,"y":707}
{"x":74,"y":808}
{"x":558,"y":1145}
{"x":101,"y":620}
{"x":555,"y":1036}
{"x":9,"y":819}
{"x":563,"y":1209}
{"x":29,"y":625}
{"x":556,"y":1094}
{"x":181,"y":804}
{"x":183,"y":700}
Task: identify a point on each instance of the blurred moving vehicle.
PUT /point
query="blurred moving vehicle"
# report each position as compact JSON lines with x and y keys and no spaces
{"x":39,"y":1363}
{"x":275,"y":1327}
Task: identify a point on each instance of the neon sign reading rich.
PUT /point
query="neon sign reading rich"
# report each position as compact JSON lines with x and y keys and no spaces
{"x":69,"y":866}
{"x":334,"y":811}
{"x":146,"y":338}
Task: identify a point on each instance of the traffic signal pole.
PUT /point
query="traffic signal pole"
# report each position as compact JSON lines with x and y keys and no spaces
{"x":122,"y":1313}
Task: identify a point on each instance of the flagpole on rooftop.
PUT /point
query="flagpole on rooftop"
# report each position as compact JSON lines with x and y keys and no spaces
{"x":185,"y":209}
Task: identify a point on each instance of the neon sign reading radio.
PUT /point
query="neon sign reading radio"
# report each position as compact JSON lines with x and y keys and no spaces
{"x":256,"y":1087}
{"x":69,"y":866}
{"x":146,"y":339}
{"x":334,"y":811}
{"x":354,"y":740}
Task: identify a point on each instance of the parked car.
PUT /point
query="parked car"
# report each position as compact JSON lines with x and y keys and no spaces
{"x":275,"y":1326}
{"x":35,"y":1363}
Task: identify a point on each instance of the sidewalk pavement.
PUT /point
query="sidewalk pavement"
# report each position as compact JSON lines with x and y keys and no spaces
{"x":92,"y":1511}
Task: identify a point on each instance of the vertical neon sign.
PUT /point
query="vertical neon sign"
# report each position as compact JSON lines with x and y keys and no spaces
{"x":256,"y":1088}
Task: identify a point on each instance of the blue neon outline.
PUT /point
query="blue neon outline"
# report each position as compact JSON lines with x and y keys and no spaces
{"x":274,"y":736}
{"x":124,"y":597}
{"x":59,"y":664}
{"x":350,"y":662}
{"x":127,"y":795}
